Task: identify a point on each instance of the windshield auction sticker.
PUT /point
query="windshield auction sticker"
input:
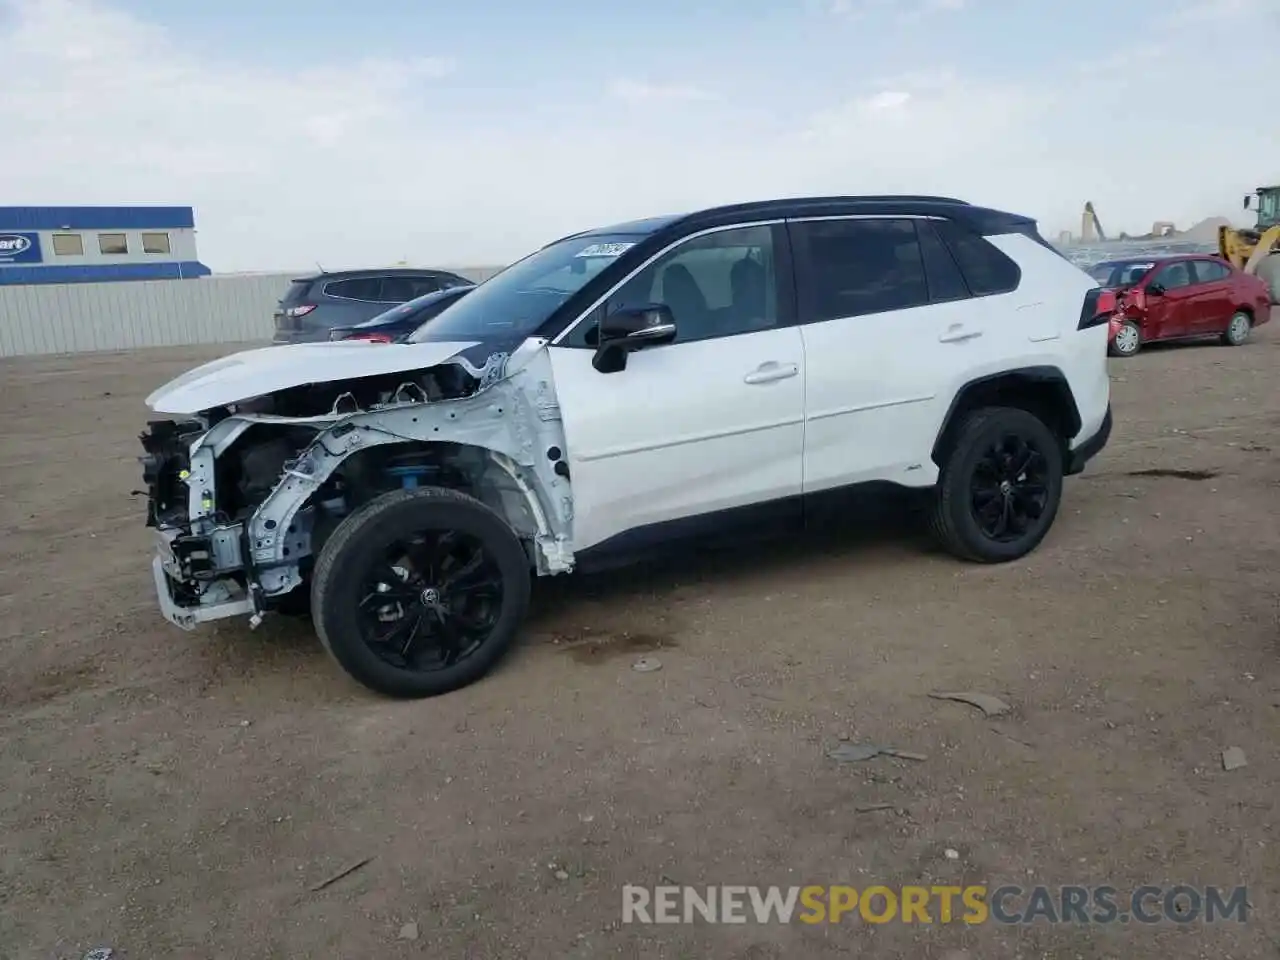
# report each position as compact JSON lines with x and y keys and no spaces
{"x":605,"y":250}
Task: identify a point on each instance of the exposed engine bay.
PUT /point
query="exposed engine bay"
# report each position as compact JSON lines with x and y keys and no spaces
{"x":244,"y":495}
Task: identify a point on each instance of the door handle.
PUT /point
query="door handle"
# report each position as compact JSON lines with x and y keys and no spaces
{"x":956,"y":333}
{"x":771,"y":371}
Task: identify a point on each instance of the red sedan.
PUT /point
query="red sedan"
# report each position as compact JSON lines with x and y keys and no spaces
{"x":1180,"y":298}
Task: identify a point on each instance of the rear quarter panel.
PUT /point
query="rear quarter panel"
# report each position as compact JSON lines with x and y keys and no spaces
{"x":1057,"y":288}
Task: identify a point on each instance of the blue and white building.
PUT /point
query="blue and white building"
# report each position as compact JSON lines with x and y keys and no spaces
{"x":96,"y":244}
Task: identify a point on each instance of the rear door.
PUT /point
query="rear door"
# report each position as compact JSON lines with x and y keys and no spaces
{"x":889,"y":324}
{"x":1170,"y":313}
{"x":1212,"y":303}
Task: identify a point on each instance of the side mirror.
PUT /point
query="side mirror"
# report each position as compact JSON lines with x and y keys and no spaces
{"x":628,"y":329}
{"x":639,"y":326}
{"x":1248,"y":197}
{"x":1155,"y":289}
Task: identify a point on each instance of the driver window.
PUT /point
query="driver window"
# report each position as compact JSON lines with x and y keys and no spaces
{"x":1175,"y":275}
{"x":715,"y":285}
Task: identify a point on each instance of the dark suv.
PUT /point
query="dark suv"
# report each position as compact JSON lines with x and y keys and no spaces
{"x":314,"y":305}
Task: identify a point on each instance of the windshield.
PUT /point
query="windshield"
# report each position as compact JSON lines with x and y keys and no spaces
{"x":1122,"y":274}
{"x":515,"y":302}
{"x":1269,"y":208}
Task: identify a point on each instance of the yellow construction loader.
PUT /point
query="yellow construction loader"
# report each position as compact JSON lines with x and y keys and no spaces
{"x":1257,"y":250}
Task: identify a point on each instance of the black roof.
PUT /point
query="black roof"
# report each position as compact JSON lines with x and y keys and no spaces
{"x":982,"y":219}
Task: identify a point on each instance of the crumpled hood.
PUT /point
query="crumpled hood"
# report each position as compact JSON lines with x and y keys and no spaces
{"x":253,"y":373}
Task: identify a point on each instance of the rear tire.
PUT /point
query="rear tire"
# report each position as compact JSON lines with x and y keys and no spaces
{"x":1238,"y":328}
{"x":1127,"y":341}
{"x":363,"y":598}
{"x":1003,"y":464}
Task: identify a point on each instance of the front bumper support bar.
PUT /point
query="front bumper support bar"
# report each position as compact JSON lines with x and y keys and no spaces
{"x":188,"y":618}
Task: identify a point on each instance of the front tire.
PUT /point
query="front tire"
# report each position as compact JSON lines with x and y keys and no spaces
{"x":1238,"y":328}
{"x":1127,"y":341}
{"x":420,"y":592}
{"x":1000,"y":486}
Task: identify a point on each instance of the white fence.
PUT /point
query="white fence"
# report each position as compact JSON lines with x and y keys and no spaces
{"x":86,"y":317}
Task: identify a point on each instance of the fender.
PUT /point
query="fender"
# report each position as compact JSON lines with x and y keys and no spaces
{"x":990,"y":388}
{"x":502,"y":421}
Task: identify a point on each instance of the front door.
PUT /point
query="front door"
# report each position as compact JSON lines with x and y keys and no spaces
{"x":1170,"y":312}
{"x":709,"y":422}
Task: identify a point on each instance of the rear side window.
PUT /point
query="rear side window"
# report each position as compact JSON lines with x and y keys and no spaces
{"x":357,"y":288}
{"x":424,"y":285}
{"x":985,"y":269}
{"x":1209,"y":272}
{"x":858,"y":267}
{"x":945,"y":281}
{"x":398,"y":289}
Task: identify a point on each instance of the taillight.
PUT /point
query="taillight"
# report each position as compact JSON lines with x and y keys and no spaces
{"x":371,"y":337}
{"x":1097,"y":309}
{"x":299,"y":311}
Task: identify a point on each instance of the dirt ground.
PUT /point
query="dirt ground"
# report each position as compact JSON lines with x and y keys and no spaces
{"x":180,"y":795}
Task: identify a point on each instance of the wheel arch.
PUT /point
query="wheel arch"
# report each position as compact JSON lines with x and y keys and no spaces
{"x":533,"y":498}
{"x":480,"y":465}
{"x":1041,"y":390}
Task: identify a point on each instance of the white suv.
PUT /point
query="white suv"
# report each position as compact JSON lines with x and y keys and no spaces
{"x":623,"y":388}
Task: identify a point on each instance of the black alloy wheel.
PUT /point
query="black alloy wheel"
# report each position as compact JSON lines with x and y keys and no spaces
{"x":431,"y":600}
{"x":1009,"y":488}
{"x":999,"y":486}
{"x":420,"y":592}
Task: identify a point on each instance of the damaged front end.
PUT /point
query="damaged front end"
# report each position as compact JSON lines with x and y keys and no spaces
{"x":273,"y":449}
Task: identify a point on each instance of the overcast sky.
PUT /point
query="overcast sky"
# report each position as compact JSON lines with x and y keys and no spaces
{"x":467,"y":132}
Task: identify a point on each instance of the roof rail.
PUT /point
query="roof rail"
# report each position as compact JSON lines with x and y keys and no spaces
{"x":868,"y":198}
{"x":924,"y":197}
